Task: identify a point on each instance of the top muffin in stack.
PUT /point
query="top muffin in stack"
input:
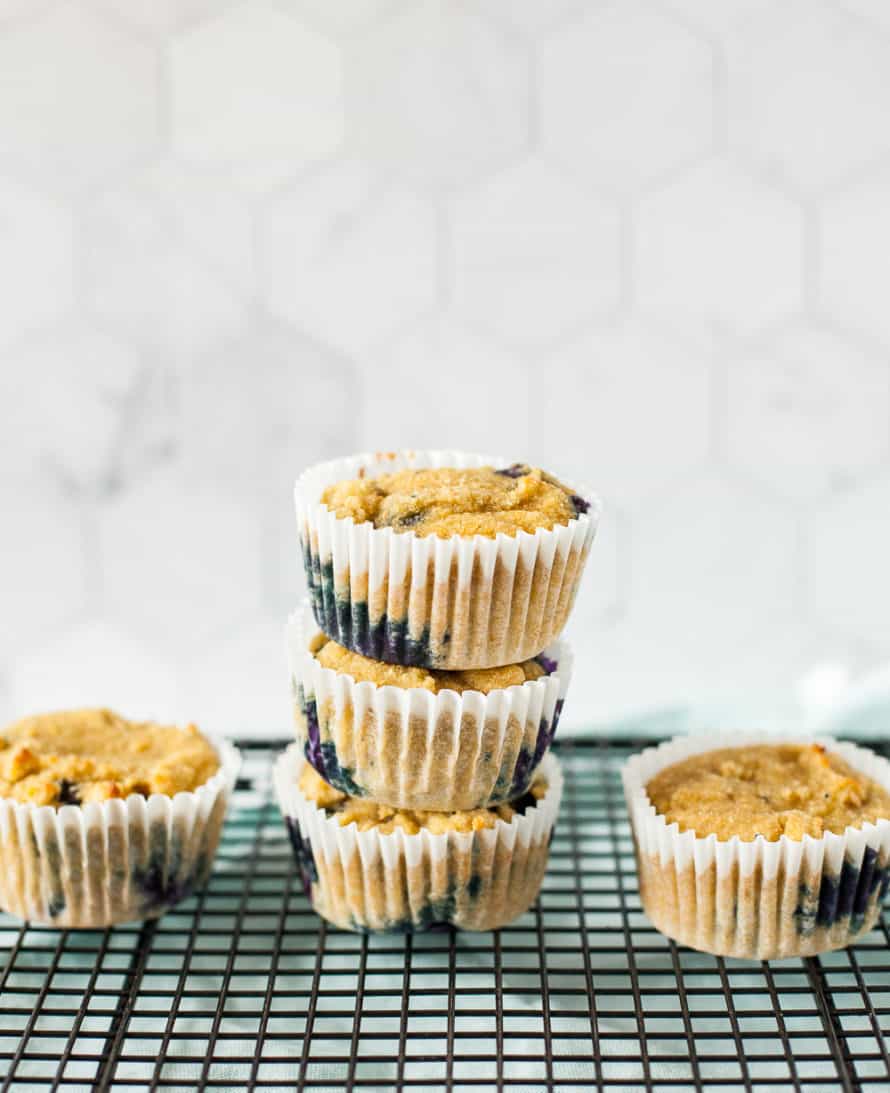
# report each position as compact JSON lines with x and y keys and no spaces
{"x":440,"y":559}
{"x":438,"y":582}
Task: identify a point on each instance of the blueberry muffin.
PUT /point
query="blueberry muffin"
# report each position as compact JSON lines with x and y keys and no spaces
{"x":442,"y":559}
{"x":372,"y":867}
{"x":105,"y":820}
{"x":761,"y":849}
{"x":418,"y":737}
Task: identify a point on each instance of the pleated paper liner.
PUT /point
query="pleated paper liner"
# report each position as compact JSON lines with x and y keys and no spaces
{"x":412,"y":748}
{"x":103,"y":863}
{"x":368,"y":881}
{"x":757,"y":899}
{"x":461,"y":602}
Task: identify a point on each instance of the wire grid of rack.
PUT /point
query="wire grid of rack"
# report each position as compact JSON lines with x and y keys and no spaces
{"x":243,"y":987}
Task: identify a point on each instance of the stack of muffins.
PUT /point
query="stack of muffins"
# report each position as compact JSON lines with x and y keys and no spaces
{"x":428,"y":682}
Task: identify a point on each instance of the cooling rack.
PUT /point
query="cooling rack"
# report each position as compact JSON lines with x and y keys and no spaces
{"x":242,"y":987}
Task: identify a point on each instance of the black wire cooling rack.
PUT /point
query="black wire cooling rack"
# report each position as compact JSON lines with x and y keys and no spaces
{"x":243,"y":987}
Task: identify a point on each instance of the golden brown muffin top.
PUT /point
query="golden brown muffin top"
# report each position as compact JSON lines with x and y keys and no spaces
{"x":77,"y":756}
{"x":367,"y":814}
{"x":363,"y":669}
{"x":769,"y":790}
{"x":448,"y":501}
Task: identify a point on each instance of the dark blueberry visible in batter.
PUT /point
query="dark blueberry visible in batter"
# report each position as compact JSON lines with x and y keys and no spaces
{"x":68,"y":794}
{"x":547,"y":663}
{"x":515,"y":470}
{"x":323,"y":756}
{"x":580,"y":505}
{"x":303,"y":854}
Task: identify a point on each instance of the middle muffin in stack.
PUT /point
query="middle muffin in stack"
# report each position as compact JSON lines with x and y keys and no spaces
{"x":428,"y":686}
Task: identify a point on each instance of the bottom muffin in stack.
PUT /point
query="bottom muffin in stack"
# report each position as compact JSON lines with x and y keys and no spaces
{"x":368,"y":866}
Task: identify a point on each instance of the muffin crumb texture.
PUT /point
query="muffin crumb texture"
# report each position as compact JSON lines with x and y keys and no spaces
{"x":363,"y":669}
{"x":448,"y":501}
{"x":385,"y":819}
{"x":768,"y":790}
{"x":77,"y":756}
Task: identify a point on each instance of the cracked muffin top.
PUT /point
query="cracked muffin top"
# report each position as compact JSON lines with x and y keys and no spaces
{"x":448,"y":501}
{"x":385,"y":819}
{"x":76,"y":756}
{"x":769,"y":790}
{"x":363,"y":669}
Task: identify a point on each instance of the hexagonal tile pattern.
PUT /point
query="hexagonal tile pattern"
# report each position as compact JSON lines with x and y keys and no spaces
{"x":347,"y":258}
{"x":856,"y":255}
{"x":36,"y":274}
{"x":722,"y":20}
{"x":43,"y":576}
{"x":237,"y":684}
{"x":625,"y":409}
{"x":625,"y":95}
{"x":179,"y":563}
{"x":718,"y":252}
{"x":79,"y":99}
{"x":255,"y":94}
{"x":162,"y":17}
{"x":454,"y":362}
{"x":210,"y":218}
{"x":433,"y":80}
{"x":531,"y":17}
{"x":875,"y":12}
{"x":711,"y":557}
{"x":345,"y":19}
{"x":534,"y":255}
{"x":95,"y":664}
{"x":808,"y":414}
{"x":93,"y":414}
{"x":782,"y":116}
{"x":848,"y":547}
{"x":143,"y":279}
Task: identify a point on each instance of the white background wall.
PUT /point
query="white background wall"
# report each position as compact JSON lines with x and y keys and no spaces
{"x":645,"y":243}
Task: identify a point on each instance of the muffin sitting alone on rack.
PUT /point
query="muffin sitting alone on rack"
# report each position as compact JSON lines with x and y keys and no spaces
{"x":762,"y":849}
{"x":104,"y":820}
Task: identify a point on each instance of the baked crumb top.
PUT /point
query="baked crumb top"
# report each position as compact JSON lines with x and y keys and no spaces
{"x":367,"y":814}
{"x":448,"y":501}
{"x":363,"y":669}
{"x":769,"y":790}
{"x":77,"y":756}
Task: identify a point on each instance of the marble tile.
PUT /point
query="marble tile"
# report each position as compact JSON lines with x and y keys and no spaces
{"x":36,"y":263}
{"x":240,"y":103}
{"x":535,"y":255}
{"x":624,"y":96}
{"x":347,"y":235}
{"x":467,"y":91}
{"x":808,"y":414}
{"x":717,"y":251}
{"x":79,"y":101}
{"x":782,"y":116}
{"x":644,"y":244}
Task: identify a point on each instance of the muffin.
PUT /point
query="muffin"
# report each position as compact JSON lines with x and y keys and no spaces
{"x":105,"y":820}
{"x":761,"y":849}
{"x":422,"y":738}
{"x":371,"y":867}
{"x":442,"y":559}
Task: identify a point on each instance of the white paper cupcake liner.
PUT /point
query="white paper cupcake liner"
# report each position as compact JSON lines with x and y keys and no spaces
{"x":438,"y":603}
{"x":411,"y":748}
{"x":758,"y":899}
{"x":365,"y":881}
{"x":99,"y":864}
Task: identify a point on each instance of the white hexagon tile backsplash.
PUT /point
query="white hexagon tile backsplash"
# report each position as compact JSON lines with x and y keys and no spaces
{"x":644,"y":243}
